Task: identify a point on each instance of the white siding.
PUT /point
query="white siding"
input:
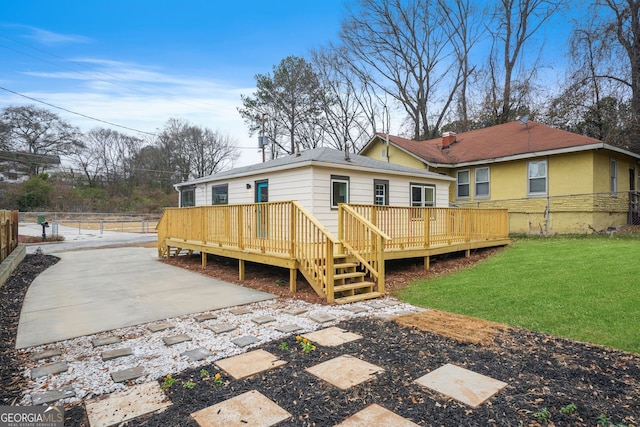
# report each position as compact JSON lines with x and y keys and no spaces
{"x":311,"y":186}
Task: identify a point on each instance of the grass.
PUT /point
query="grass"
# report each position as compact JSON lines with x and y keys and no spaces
{"x":586,"y":289}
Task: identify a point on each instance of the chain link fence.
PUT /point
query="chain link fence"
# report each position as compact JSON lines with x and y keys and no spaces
{"x":101,"y":222}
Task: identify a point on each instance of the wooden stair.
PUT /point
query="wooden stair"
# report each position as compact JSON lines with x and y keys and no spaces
{"x":350,"y":285}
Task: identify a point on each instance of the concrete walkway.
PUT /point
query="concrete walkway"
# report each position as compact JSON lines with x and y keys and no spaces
{"x":90,"y":291}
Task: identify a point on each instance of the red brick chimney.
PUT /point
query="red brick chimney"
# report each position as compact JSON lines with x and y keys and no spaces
{"x":448,"y":138}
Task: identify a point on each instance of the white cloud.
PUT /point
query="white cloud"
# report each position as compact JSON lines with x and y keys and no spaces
{"x":50,"y":38}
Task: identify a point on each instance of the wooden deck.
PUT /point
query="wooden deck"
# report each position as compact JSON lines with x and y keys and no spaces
{"x":346,"y":268}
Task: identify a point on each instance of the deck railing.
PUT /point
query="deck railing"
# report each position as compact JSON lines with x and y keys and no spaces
{"x":364,"y":241}
{"x":283,"y":229}
{"x":414,"y":227}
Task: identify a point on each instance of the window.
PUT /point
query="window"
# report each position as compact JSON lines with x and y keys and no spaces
{"x":613,"y":173}
{"x":220,"y":194}
{"x":339,"y":190}
{"x":423,"y":195}
{"x":380,"y":192}
{"x":463,"y":185}
{"x":187,"y":197}
{"x":537,"y":177}
{"x":482,"y":182}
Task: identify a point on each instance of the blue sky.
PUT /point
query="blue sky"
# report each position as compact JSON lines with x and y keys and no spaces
{"x":139,"y":63}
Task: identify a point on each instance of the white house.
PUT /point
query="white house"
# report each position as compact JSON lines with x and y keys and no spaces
{"x":320,"y":179}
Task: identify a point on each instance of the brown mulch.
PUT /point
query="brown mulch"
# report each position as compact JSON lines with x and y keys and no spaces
{"x":545,"y":374}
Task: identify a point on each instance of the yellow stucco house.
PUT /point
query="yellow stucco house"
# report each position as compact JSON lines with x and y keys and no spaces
{"x":552,"y":181}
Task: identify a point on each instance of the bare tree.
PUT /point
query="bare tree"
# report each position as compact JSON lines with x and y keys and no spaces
{"x":37,"y":131}
{"x":513,"y":25}
{"x":347,"y":105}
{"x":114,"y":153}
{"x":401,"y":48}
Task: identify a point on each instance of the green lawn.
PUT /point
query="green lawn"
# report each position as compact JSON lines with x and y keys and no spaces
{"x":586,"y":289}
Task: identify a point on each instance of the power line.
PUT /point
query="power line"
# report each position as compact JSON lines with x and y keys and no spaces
{"x":76,"y":113}
{"x":80,"y":64}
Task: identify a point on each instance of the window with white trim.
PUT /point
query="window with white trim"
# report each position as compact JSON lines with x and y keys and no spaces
{"x":380,"y":192}
{"x":339,"y":190}
{"x":482,"y":182}
{"x":613,"y":176}
{"x":463,"y":183}
{"x":537,"y":178}
{"x":423,"y":195}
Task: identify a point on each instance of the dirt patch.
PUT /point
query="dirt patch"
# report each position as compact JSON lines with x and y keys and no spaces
{"x":458,"y":327}
{"x":275,"y":280}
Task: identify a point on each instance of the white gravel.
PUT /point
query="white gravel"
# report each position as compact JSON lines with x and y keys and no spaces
{"x":89,"y":375}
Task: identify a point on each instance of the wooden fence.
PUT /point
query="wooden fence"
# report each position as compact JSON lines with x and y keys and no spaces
{"x":8,"y":233}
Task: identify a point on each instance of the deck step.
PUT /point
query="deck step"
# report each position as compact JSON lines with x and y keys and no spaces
{"x":359,"y":297}
{"x":348,"y":275}
{"x":353,"y":286}
{"x":345,"y":265}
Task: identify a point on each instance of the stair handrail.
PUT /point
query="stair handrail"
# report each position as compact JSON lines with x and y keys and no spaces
{"x":370,"y":255}
{"x":161,"y":229}
{"x":309,"y":254}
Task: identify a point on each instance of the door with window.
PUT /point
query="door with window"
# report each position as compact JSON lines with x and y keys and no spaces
{"x":262,"y":196}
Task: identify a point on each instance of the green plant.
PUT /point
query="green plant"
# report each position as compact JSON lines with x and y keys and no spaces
{"x":204,"y":373}
{"x":168,"y":382}
{"x":306,"y":345}
{"x":543,"y":415}
{"x":189,"y":385}
{"x":605,"y":421}
{"x":284,"y":345}
{"x":217,"y":379}
{"x":569,"y":409}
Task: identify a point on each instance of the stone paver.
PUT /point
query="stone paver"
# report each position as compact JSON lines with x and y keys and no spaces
{"x":321,"y":317}
{"x":221,"y":328}
{"x":49,"y":396}
{"x":114,"y":354}
{"x":245,"y":341}
{"x":261,"y":320}
{"x":332,"y":337}
{"x":127,"y":374}
{"x":295,"y":311}
{"x":45,"y":354}
{"x":161,"y":326}
{"x":239,"y":311}
{"x":53,"y":368}
{"x":376,"y":415}
{"x":288,"y":328}
{"x":176,"y":339}
{"x":205,"y":317}
{"x":356,"y":309}
{"x":125,"y":405}
{"x":345,"y":371}
{"x":99,"y":342}
{"x":391,"y":302}
{"x":196,"y":354}
{"x":248,"y":364}
{"x":248,"y":409}
{"x":461,"y":384}
{"x":376,"y":304}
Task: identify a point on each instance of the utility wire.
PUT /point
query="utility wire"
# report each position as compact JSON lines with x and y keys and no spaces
{"x":80,"y":64}
{"x":76,"y":113}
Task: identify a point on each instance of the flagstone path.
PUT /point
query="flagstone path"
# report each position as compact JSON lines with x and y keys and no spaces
{"x":253,"y":408}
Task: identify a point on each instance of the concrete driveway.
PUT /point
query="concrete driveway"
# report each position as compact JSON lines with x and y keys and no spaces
{"x":90,"y":291}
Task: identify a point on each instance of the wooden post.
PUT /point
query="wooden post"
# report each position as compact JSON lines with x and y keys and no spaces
{"x":204,"y":259}
{"x":240,"y":242}
{"x":380,"y":257}
{"x":427,"y":261}
{"x":329,"y":272}
{"x":293,"y":274}
{"x":292,"y":231}
{"x":240,"y":269}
